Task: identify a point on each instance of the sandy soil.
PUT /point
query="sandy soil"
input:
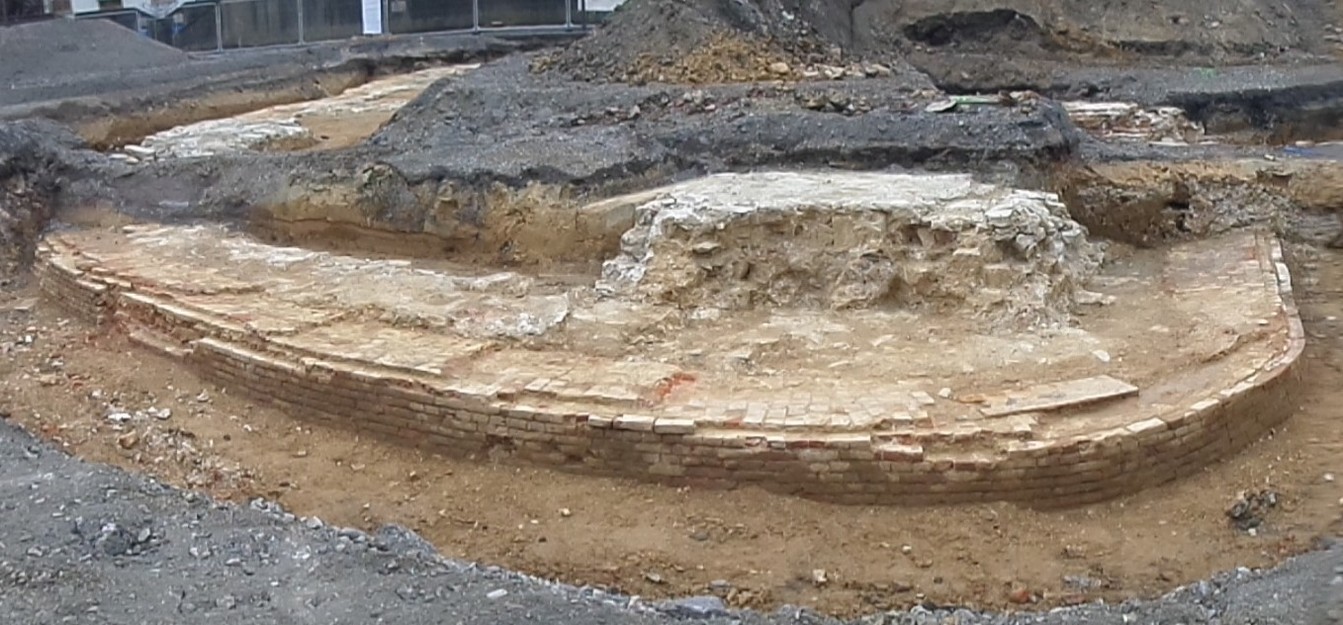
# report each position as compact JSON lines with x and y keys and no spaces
{"x":60,"y":377}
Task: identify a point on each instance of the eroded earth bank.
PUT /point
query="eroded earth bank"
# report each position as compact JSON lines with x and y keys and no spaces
{"x":971,"y":312}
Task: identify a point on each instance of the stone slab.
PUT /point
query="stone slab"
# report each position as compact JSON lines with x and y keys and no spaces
{"x":1058,"y":395}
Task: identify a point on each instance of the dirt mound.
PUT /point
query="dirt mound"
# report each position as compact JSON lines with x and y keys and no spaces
{"x":1193,"y":29}
{"x":58,"y":48}
{"x":702,"y":41}
{"x":714,"y":41}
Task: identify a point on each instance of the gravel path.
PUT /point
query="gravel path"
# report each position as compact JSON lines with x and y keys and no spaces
{"x":84,"y":543}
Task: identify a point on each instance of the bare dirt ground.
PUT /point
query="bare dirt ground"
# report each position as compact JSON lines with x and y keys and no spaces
{"x":71,"y":383}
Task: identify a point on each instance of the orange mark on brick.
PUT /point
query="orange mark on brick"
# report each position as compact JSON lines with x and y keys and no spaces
{"x":664,"y":387}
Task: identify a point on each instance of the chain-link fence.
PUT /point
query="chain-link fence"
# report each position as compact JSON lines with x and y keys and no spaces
{"x":220,"y":24}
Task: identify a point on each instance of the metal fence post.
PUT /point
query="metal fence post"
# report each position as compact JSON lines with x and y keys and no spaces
{"x":299,"y":4}
{"x":219,"y":27}
{"x":475,"y":16}
{"x":568,"y":14}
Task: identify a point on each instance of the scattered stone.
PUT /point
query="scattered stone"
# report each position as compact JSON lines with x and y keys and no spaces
{"x":1082,"y":582}
{"x":819,"y":577}
{"x":128,"y":440}
{"x":1021,"y":596}
{"x":694,"y":607}
{"x":941,"y":106}
{"x":566,"y":513}
{"x":1250,"y":507}
{"x":496,"y":594}
{"x":119,"y":417}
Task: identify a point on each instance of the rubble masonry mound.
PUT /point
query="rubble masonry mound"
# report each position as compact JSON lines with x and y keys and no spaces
{"x":855,"y":240}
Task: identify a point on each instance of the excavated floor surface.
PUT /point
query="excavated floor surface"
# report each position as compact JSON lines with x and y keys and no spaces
{"x":326,"y":124}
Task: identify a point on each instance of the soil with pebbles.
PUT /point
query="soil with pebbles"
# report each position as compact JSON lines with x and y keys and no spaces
{"x":84,"y":543}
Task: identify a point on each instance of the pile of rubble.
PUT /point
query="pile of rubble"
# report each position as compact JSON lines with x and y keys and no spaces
{"x":218,"y":136}
{"x":1125,"y":121}
{"x":712,"y":41}
{"x":856,"y":240}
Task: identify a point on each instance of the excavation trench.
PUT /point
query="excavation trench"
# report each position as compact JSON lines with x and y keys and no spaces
{"x":498,"y":498}
{"x":508,"y":376}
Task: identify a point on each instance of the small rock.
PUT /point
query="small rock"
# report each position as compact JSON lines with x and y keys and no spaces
{"x":496,"y":594}
{"x":302,"y":453}
{"x":119,"y":417}
{"x":875,"y":70}
{"x":1082,"y":582}
{"x":1020,"y":596}
{"x":654,"y":578}
{"x":566,"y":513}
{"x":906,"y":549}
{"x":694,"y":607}
{"x":819,"y":577}
{"x":1328,"y":477}
{"x":779,"y":68}
{"x":944,"y":393}
{"x":128,"y":440}
{"x":1101,"y":355}
{"x":941,"y":106}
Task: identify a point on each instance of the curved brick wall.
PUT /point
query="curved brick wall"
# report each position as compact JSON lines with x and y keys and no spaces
{"x":430,"y":410}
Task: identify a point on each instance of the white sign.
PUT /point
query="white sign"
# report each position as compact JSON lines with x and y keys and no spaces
{"x":157,"y":8}
{"x":372,"y":17}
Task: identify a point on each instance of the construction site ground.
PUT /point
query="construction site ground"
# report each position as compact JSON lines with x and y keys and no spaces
{"x":476,"y":174}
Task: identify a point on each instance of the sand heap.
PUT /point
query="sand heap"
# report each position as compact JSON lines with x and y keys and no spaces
{"x":715,"y":41}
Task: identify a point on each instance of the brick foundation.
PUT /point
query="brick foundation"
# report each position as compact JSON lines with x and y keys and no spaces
{"x":461,"y":417}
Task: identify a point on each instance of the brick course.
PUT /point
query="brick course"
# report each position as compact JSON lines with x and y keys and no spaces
{"x":866,"y":468}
